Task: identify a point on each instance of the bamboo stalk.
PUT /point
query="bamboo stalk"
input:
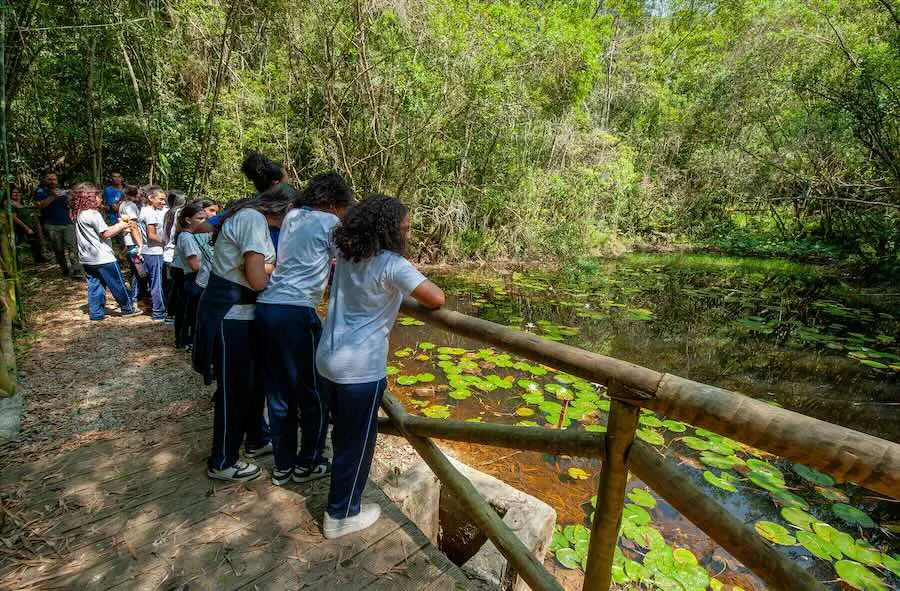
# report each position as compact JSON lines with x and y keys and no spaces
{"x":777,"y":570}
{"x":487,"y":520}
{"x":623,"y":420}
{"x":850,"y":455}
{"x":549,"y":441}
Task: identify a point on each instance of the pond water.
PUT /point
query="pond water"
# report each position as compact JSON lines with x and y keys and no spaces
{"x":794,"y":335}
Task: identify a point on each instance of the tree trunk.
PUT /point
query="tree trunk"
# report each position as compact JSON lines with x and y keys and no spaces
{"x":89,"y":103}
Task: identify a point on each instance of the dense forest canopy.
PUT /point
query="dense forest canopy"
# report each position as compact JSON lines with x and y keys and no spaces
{"x":512,"y":128}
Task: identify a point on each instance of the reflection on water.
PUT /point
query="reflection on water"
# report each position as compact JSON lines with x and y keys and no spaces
{"x":785,"y":333}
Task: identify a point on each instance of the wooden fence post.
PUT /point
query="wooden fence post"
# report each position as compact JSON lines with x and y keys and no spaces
{"x":623,"y":420}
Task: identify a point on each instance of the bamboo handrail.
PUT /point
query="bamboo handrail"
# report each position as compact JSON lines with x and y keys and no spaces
{"x":556,"y":442}
{"x":844,"y":453}
{"x":777,"y":570}
{"x":487,"y":520}
{"x":623,"y":422}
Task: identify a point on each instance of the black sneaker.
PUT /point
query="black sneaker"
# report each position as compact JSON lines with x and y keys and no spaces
{"x":280,"y":477}
{"x":309,"y":473}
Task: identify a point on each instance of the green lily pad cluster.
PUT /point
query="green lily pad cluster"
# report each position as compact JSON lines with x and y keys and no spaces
{"x":856,"y":561}
{"x":643,"y":557}
{"x":409,"y":321}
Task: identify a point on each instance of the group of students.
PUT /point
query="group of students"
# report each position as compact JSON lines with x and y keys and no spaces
{"x":252,"y":278}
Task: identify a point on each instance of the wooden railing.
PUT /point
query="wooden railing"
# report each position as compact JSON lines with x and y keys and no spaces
{"x":845,"y":454}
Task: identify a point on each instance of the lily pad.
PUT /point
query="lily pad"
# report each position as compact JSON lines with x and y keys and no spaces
{"x":407,"y":380}
{"x":529,"y":385}
{"x":765,"y":468}
{"x":392,"y":370}
{"x":832,"y":494}
{"x":775,"y":533}
{"x":695,"y":443}
{"x":650,"y":421}
{"x":568,"y":558}
{"x":426,"y":346}
{"x":766,"y":481}
{"x":577,"y":474}
{"x":524,"y":411}
{"x":858,"y":576}
{"x":595,"y":428}
{"x":817,"y":546}
{"x":425,"y":377}
{"x":650,"y":436}
{"x":559,"y":540}
{"x":813,"y":475}
{"x":718,"y":482}
{"x":719,"y":461}
{"x":438,"y":411}
{"x":636,"y":514}
{"x":674,"y":426}
{"x":798,"y":518}
{"x":641,"y":497}
{"x":533,"y":398}
{"x":788,"y":499}
{"x":891,"y":562}
{"x":852,"y":515}
{"x":460,"y":394}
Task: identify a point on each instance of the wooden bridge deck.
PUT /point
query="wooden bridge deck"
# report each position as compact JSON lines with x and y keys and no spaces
{"x":139,"y":513}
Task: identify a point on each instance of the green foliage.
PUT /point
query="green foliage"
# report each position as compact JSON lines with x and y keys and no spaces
{"x":515,"y":129}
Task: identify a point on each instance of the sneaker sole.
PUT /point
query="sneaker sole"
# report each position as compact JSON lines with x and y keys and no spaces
{"x":232,"y":479}
{"x":302,"y":479}
{"x":280,"y":481}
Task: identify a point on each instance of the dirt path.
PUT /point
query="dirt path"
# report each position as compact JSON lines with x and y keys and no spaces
{"x":85,"y":381}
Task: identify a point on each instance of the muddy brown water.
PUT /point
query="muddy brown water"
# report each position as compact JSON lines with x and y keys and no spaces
{"x":778,"y":333}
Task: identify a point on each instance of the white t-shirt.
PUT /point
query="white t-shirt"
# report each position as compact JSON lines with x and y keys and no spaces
{"x":246,"y":231}
{"x":304,"y":258}
{"x":150,"y":216}
{"x":92,"y":249}
{"x":131,"y":210}
{"x":189,"y":245}
{"x":365,"y":299}
{"x":169,"y":248}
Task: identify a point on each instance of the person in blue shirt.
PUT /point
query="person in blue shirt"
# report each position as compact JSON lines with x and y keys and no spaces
{"x":111,"y":195}
{"x":53,"y":204}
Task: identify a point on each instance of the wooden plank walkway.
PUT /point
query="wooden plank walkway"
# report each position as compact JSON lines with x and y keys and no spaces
{"x":138,"y":513}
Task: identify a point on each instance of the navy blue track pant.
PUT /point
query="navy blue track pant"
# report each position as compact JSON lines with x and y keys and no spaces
{"x":354,"y":412}
{"x":192,"y":293}
{"x":100,"y":278}
{"x":289,"y":336}
{"x":238,"y":403}
{"x":154,"y":265}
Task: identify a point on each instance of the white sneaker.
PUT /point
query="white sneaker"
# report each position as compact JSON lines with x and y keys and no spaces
{"x":255,"y":452}
{"x":335,"y":528}
{"x":239,"y":472}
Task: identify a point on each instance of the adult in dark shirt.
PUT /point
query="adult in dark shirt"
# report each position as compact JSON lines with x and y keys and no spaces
{"x":58,"y":228}
{"x":111,"y":195}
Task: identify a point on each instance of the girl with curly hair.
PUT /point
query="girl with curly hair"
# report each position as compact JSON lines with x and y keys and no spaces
{"x":290,"y":329}
{"x":371,"y":278}
{"x":225,"y":337}
{"x":95,"y":253}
